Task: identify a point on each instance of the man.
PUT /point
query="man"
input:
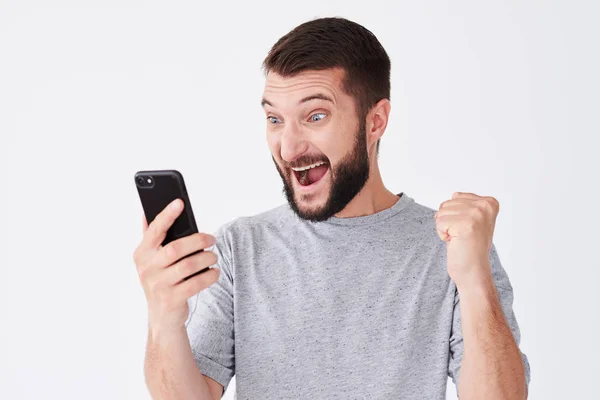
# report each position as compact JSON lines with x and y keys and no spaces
{"x":349,"y":291}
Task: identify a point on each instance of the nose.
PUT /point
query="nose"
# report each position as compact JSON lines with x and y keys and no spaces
{"x":292,"y":143}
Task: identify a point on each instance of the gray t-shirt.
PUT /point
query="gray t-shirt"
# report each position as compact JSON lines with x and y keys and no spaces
{"x":348,"y":308}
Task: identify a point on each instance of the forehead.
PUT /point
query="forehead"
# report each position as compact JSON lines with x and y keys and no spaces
{"x":280,"y":90}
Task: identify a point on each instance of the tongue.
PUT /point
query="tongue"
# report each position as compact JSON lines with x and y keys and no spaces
{"x":314,"y":174}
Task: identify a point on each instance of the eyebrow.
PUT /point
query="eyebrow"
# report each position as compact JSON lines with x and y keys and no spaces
{"x":316,"y":96}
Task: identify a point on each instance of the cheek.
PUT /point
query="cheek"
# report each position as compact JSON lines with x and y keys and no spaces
{"x":331,"y":148}
{"x":337,"y":141}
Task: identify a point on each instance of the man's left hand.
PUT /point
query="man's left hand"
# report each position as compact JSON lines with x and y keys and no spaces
{"x":466,"y":223}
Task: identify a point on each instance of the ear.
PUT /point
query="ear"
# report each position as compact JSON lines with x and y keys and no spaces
{"x":377,"y":120}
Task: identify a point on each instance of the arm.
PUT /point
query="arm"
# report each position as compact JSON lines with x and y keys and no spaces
{"x":485,"y":360}
{"x":171,"y":368}
{"x":492,"y":367}
{"x":171,"y":372}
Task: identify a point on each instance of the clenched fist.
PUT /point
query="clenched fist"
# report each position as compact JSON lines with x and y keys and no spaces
{"x":466,"y":223}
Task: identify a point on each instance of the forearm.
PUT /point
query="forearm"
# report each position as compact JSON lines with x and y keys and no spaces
{"x":492,"y":367}
{"x":170,"y":370}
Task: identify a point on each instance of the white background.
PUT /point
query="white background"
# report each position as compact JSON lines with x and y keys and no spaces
{"x":498,"y":98}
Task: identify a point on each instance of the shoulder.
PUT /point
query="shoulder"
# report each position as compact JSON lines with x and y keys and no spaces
{"x":414,"y":230}
{"x":419,"y":212}
{"x":419,"y":218}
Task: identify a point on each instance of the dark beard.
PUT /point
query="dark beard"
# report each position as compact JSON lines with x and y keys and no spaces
{"x":347,"y":180}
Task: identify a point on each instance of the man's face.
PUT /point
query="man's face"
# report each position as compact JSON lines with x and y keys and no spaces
{"x":312,"y":123}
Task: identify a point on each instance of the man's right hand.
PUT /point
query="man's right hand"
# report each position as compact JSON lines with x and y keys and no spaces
{"x":162,"y":275}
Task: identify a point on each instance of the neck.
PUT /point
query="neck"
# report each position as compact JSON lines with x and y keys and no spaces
{"x":374,"y":197}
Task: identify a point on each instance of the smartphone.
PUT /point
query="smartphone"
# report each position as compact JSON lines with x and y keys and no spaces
{"x":157,"y":189}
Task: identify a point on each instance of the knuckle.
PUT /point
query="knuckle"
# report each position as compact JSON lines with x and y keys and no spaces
{"x":139,"y":256}
{"x":171,"y":250}
{"x":152,"y":231}
{"x":189,"y":263}
{"x":494,"y":203}
{"x":204,"y":240}
{"x":141,"y":271}
{"x":211,"y":257}
{"x":157,"y":226}
{"x":185,"y":267}
{"x":487,"y":203}
{"x":477,"y":214}
{"x":136,"y":256}
{"x":483,"y":204}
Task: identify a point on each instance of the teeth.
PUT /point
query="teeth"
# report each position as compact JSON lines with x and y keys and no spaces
{"x":309,"y":166}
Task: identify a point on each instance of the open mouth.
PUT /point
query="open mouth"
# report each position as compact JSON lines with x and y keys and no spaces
{"x":311,"y":174}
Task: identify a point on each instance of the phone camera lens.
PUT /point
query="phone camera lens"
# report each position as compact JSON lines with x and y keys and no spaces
{"x":140,"y":180}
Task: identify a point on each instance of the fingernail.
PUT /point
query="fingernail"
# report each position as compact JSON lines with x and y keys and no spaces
{"x":176,"y":205}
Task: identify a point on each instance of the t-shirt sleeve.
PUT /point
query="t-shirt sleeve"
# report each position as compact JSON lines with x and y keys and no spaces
{"x":505,"y":294}
{"x":210,"y":326}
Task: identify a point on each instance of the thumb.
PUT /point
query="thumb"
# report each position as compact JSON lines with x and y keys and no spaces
{"x":443,"y":234}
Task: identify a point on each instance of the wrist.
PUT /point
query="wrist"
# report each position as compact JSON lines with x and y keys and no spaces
{"x":478,"y":283}
{"x":164,"y":335}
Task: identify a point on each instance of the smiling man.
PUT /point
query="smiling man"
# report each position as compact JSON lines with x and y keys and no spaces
{"x":350,"y":290}
{"x":320,"y":146}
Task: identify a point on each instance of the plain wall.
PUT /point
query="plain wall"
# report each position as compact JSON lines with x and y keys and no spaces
{"x":499,"y":98}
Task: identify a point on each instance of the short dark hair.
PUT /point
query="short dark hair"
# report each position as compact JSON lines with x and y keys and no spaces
{"x":331,"y":42}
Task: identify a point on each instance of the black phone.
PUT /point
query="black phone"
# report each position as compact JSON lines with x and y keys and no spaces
{"x":157,"y":189}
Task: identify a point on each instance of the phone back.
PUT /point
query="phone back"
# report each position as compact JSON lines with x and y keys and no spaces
{"x":159,"y":188}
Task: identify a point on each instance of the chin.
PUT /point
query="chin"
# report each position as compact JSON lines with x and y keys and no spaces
{"x":310,"y":206}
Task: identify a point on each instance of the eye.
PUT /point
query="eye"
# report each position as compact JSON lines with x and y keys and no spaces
{"x":271,"y":119}
{"x":316,"y":114}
